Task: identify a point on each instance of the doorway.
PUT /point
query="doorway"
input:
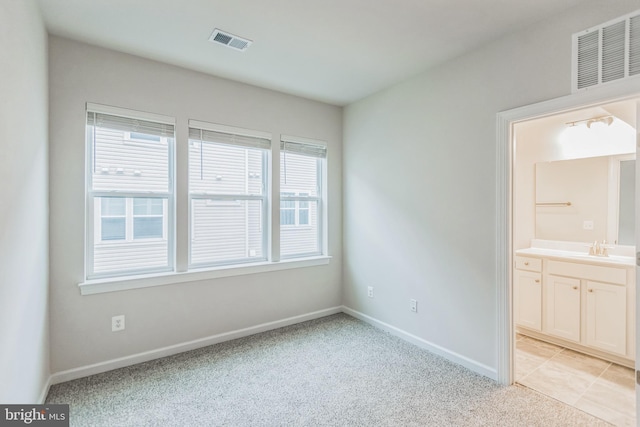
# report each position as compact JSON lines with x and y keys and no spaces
{"x":506,"y":258}
{"x":574,"y":319}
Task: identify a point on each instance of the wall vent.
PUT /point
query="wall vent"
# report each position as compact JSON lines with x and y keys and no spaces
{"x":606,"y":53}
{"x":229,"y":40}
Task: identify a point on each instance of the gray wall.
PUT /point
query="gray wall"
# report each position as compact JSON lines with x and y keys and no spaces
{"x":24,"y":326}
{"x":173,"y":314}
{"x":420,"y":182}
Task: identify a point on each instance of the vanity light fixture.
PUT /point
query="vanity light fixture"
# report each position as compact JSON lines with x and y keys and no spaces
{"x":597,"y":136}
{"x":604,"y":120}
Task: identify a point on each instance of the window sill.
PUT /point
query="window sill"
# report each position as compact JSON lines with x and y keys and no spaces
{"x":115,"y":284}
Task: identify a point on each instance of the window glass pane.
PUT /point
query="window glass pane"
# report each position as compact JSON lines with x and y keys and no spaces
{"x":298,"y":174}
{"x":300,"y":220}
{"x":303,"y":216}
{"x":113,"y":228}
{"x":287,"y":210}
{"x":113,"y":206}
{"x":226,"y":231}
{"x":287,"y":216}
{"x":287,"y":204}
{"x":129,"y":156}
{"x":225,"y":169}
{"x":143,"y":206}
{"x":302,"y":239}
{"x":147,"y":227}
{"x":113,"y":219}
{"x":144,"y":136}
{"x":118,"y":247}
{"x":119,"y":164}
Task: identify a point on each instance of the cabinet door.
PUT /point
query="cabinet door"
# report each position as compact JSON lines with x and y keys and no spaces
{"x":563,"y":307}
{"x":528,"y":300}
{"x":606,"y":317}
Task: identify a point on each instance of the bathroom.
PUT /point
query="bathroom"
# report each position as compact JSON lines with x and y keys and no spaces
{"x":574,"y":282}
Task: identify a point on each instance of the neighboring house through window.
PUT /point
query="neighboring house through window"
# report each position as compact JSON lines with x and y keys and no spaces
{"x":130,"y":192}
{"x":293,"y":212}
{"x":130,"y":201}
{"x":302,"y":165}
{"x":228,"y":194}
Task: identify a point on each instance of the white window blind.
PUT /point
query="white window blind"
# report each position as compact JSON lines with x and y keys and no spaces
{"x":129,"y":193}
{"x":228,"y":197}
{"x":301,"y":182}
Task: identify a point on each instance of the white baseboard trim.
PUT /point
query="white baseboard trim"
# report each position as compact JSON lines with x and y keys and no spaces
{"x":45,"y":391}
{"x":471,"y":364}
{"x":97,"y":368}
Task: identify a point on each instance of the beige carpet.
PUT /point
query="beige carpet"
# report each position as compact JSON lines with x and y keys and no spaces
{"x":335,"y":371}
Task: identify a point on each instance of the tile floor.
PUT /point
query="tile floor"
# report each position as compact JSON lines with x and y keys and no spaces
{"x":601,"y":388}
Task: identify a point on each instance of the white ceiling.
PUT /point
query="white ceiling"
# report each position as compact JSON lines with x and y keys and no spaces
{"x":335,"y":51}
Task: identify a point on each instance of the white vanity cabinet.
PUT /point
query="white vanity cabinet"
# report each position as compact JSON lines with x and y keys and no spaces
{"x":585,"y":305}
{"x":528,"y":293}
{"x":606,"y":314}
{"x":562,"y":303}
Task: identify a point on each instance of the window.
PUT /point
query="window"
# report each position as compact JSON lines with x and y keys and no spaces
{"x":287,"y":210}
{"x":113,"y":218}
{"x":129,"y":192}
{"x":148,"y":218}
{"x":302,"y":164}
{"x":293,"y":212}
{"x":303,"y":211}
{"x":231,"y":205}
{"x":228,"y":195}
{"x":126,"y":218}
{"x":137,"y":136}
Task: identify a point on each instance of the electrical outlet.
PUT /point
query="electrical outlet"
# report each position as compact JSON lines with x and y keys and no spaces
{"x":370,"y":291}
{"x":117,"y":323}
{"x":414,"y":305}
{"x":587,"y":225}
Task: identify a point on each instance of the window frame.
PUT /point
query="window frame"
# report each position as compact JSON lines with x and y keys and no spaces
{"x":222,"y":199}
{"x":93,"y":215}
{"x":179,"y":267}
{"x":320,"y":198}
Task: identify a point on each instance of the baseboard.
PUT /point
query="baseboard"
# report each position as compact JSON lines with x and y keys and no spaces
{"x":97,"y":368}
{"x":45,"y":391}
{"x":471,"y":364}
{"x":134,"y":359}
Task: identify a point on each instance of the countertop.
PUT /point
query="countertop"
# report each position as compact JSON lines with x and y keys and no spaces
{"x":611,"y":260}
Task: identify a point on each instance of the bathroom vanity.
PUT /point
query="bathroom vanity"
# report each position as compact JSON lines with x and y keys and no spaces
{"x":576,"y":300}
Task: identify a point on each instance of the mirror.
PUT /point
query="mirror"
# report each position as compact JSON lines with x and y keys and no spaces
{"x":585,"y":200}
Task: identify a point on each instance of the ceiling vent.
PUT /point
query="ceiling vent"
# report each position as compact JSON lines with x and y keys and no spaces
{"x":229,"y":40}
{"x":606,"y":53}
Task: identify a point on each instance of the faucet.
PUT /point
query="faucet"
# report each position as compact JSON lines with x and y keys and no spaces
{"x":599,"y":249}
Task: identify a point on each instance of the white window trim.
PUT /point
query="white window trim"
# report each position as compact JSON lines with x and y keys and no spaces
{"x":265,"y":198}
{"x":114,"y":284}
{"x":90,"y":196}
{"x":321,"y":199}
{"x":137,"y":280}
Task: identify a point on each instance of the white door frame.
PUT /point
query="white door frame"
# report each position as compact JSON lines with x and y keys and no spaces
{"x":505,"y":120}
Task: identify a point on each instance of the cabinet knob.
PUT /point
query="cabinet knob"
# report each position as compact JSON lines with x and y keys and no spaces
{"x":590,"y":290}
{"x":526,"y":263}
{"x":537,"y":280}
{"x":575,"y":287}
